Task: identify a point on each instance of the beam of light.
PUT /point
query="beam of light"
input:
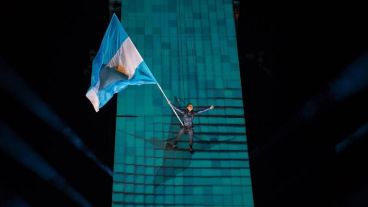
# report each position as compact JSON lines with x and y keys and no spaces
{"x":359,"y":134}
{"x":14,"y":201}
{"x":352,"y":80}
{"x":18,"y":202}
{"x":18,"y":88}
{"x":19,"y":150}
{"x":349,"y":82}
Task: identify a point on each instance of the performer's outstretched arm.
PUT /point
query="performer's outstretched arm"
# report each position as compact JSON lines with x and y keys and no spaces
{"x":204,"y":110}
{"x":176,"y":108}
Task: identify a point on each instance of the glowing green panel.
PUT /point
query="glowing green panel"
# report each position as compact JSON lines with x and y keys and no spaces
{"x":190,"y":47}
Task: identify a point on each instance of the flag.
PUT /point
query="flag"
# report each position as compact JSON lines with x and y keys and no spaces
{"x":116,"y":65}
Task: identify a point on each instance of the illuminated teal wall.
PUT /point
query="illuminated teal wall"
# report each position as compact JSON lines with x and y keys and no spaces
{"x":190,"y":47}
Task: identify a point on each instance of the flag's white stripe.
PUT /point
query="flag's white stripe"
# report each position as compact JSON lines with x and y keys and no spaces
{"x":127,"y":56}
{"x":93,"y":97}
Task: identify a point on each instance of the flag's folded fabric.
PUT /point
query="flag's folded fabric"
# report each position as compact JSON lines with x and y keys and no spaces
{"x":116,"y":65}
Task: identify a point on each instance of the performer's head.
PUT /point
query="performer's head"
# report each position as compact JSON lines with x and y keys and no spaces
{"x":189,"y":107}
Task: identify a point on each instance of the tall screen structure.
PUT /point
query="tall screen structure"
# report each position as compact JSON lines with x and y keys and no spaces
{"x":190,"y":47}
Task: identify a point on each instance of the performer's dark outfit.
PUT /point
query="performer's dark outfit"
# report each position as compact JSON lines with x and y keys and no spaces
{"x":187,"y":119}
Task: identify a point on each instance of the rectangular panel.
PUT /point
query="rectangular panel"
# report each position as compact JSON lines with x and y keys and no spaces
{"x":190,"y":47}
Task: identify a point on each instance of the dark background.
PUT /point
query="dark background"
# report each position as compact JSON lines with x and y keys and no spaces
{"x":288,"y":54}
{"x":50,"y":45}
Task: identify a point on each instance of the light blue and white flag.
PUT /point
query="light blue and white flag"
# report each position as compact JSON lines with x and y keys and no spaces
{"x":117,"y":64}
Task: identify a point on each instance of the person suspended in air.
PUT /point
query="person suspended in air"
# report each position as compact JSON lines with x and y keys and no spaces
{"x":188,"y":115}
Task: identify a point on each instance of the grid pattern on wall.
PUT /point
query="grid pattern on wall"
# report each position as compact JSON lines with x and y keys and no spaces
{"x":190,"y":47}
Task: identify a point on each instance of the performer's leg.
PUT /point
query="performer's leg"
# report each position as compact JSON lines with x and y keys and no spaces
{"x":190,"y":134}
{"x":181,"y":132}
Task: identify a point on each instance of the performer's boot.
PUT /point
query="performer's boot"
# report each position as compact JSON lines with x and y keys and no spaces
{"x":191,"y":149}
{"x":174,"y":145}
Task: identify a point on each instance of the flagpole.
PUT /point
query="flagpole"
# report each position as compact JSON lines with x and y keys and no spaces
{"x":169,"y":103}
